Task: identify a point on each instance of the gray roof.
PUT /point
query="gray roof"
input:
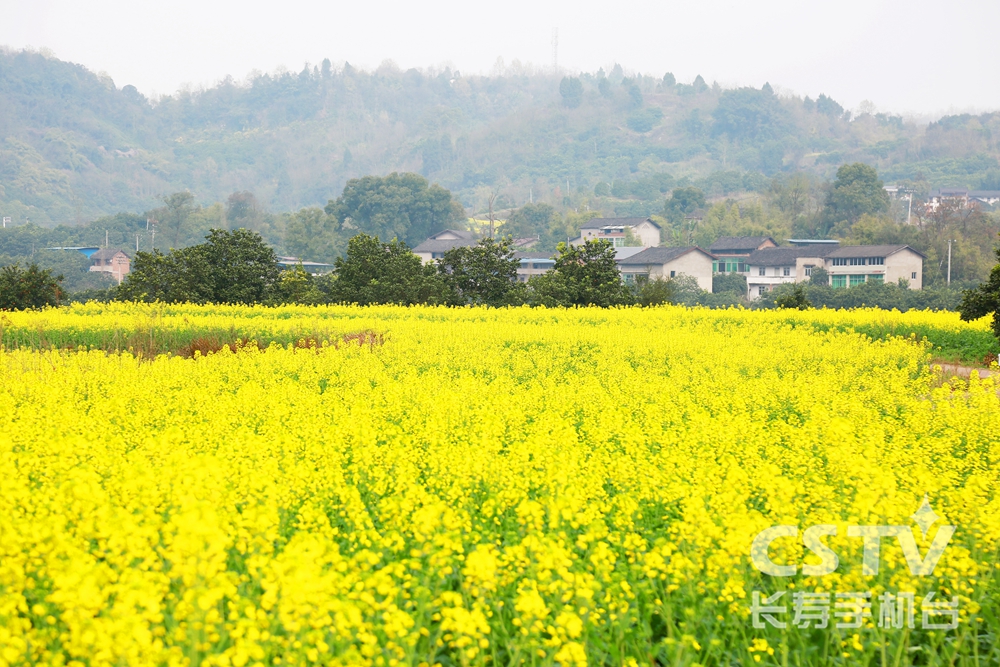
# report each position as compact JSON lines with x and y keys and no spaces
{"x":432,"y":245}
{"x":597,"y":223}
{"x":460,"y":233}
{"x":651,"y":256}
{"x":536,"y":255}
{"x":870,"y":251}
{"x":739,"y":243}
{"x":108,"y":253}
{"x":787,"y":256}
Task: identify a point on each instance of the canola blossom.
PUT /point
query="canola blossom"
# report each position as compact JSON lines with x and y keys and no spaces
{"x":481,"y":487}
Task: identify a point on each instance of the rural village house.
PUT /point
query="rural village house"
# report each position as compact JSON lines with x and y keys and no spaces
{"x":617,"y":230}
{"x":670,"y":263}
{"x":113,"y":261}
{"x":731,"y":251}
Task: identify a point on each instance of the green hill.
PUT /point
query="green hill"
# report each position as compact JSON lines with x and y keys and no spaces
{"x":73,"y":146}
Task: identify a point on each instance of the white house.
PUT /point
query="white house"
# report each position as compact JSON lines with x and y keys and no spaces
{"x":669,"y":263}
{"x":615,"y":230}
{"x":847,"y":266}
{"x":438,"y":244}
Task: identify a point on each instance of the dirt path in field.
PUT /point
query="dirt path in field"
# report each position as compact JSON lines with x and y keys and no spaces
{"x":957,"y":370}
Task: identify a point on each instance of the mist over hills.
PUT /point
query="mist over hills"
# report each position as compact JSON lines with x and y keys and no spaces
{"x":73,"y":146}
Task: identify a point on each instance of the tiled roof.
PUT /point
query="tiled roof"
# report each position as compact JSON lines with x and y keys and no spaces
{"x":745,"y":243}
{"x":597,"y":223}
{"x":787,"y":256}
{"x":460,"y":233}
{"x":658,"y":255}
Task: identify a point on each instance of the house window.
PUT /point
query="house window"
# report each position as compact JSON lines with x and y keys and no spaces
{"x":856,"y":279}
{"x":761,"y":271}
{"x":857,"y":261}
{"x":809,"y":270}
{"x":876,"y":261}
{"x":840,"y":261}
{"x":838,"y":281}
{"x":913,"y":275}
{"x":876,"y":278}
{"x":741,"y":267}
{"x":673,"y":274}
{"x":786,"y":271}
{"x":761,"y":290}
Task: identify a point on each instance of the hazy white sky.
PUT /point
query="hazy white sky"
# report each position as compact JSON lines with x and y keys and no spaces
{"x":912,"y":57}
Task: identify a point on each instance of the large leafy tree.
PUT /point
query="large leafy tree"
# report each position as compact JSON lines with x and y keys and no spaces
{"x":21,"y":289}
{"x":230,"y":267}
{"x":749,"y":115}
{"x":403,"y":206}
{"x":857,"y":191}
{"x":180,"y":276}
{"x":244,"y":268}
{"x":984,"y":300}
{"x":583,"y":275}
{"x":483,"y":274}
{"x":374,"y":272}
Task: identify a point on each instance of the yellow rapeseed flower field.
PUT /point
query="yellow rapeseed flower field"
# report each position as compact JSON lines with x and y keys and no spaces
{"x":490,"y":487}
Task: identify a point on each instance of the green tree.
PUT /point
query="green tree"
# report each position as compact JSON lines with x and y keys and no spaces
{"x":669,"y":80}
{"x":819,"y":277}
{"x":483,"y":274}
{"x":856,"y":191}
{"x":173,"y":217}
{"x":22,"y":289}
{"x":583,"y":275}
{"x":532,"y":220}
{"x":180,"y":276}
{"x":313,"y":235}
{"x":984,"y":300}
{"x":374,"y":272}
{"x":230,"y":267}
{"x":244,"y":269}
{"x":795,"y":299}
{"x":571,"y":91}
{"x":748,"y":114}
{"x":403,"y":206}
{"x":295,"y":285}
{"x":683,"y":201}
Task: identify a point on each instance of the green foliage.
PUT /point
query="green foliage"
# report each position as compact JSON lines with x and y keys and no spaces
{"x":244,"y":269}
{"x":374,"y":272}
{"x":21,"y":289}
{"x":644,"y":120}
{"x":583,"y":275}
{"x":795,"y":298}
{"x":403,"y":206}
{"x":748,"y":114}
{"x":571,"y":91}
{"x":683,"y":201}
{"x":734,"y":284}
{"x":856,"y":192}
{"x":180,"y":276}
{"x":820,"y":277}
{"x":483,"y":274}
{"x":231,"y":267}
{"x":984,"y":300}
{"x":655,"y":292}
{"x":295,"y":285}
{"x":313,"y":235}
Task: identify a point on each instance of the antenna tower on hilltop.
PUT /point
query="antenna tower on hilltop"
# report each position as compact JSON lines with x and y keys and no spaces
{"x":555,"y":50}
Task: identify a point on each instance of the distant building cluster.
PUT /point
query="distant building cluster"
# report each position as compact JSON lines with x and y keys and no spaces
{"x":759,"y":259}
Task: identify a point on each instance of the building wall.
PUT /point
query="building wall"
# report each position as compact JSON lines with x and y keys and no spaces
{"x":694,"y":264}
{"x":649,"y":234}
{"x":904,"y":264}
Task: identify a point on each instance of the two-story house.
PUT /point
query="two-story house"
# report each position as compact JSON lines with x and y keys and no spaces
{"x":669,"y":263}
{"x":113,"y":261}
{"x":617,"y":230}
{"x":731,"y":252}
{"x":846,"y":266}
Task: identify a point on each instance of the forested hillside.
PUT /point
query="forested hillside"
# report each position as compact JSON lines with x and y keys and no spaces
{"x":74,"y":146}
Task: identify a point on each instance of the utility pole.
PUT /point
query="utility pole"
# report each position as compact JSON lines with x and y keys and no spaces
{"x":105,"y":238}
{"x":137,"y":243}
{"x":950,"y":241}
